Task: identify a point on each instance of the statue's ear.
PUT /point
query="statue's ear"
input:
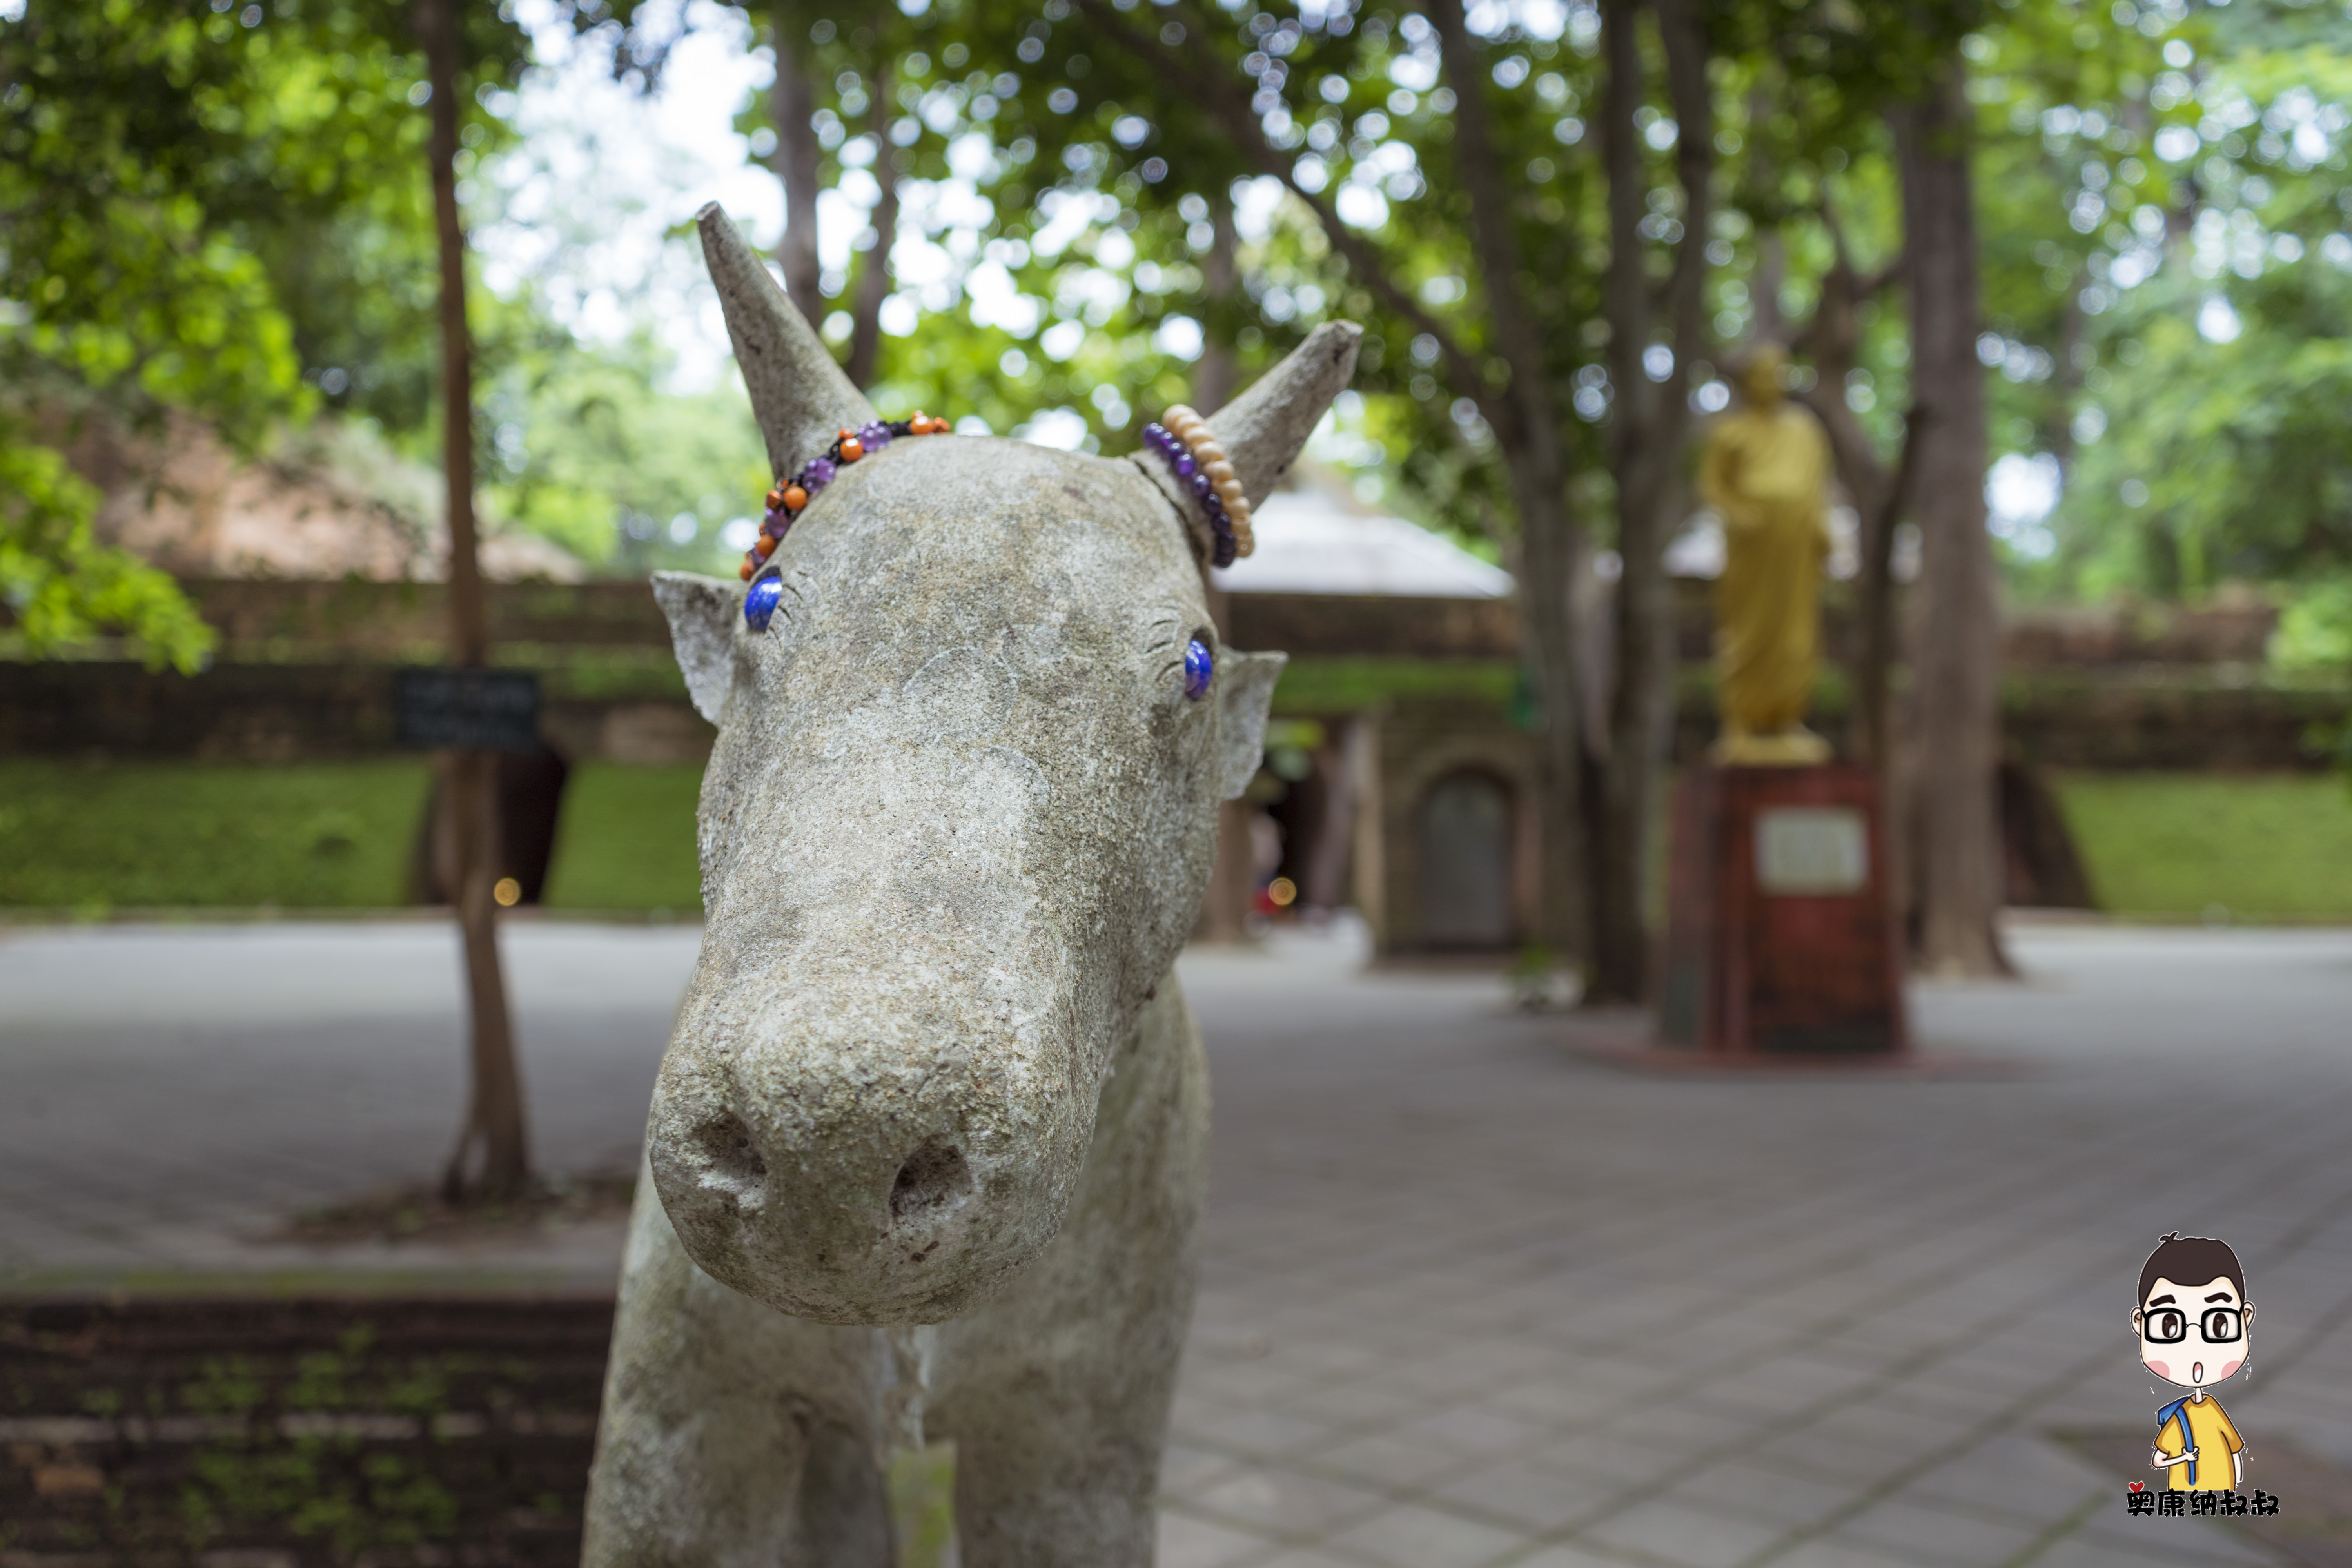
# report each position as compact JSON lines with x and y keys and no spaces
{"x":703,"y":615}
{"x":1245,"y":688}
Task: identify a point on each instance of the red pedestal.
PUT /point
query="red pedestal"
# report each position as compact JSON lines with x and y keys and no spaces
{"x":1780,"y":938}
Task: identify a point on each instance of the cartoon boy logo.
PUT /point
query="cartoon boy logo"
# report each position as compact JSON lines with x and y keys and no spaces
{"x":2192,"y":1318}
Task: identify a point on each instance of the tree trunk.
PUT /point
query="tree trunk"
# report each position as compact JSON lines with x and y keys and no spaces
{"x":1218,"y":375}
{"x":494,"y":1117}
{"x":874,"y":277}
{"x":1552,"y":555}
{"x":1527,"y":421}
{"x":1649,"y":429}
{"x":792,"y":104}
{"x":1831,"y":339}
{"x":1225,"y":915}
{"x":1956,"y":666}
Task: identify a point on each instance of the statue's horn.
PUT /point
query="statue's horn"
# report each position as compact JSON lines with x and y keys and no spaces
{"x":1263,"y":429}
{"x":799,"y":395}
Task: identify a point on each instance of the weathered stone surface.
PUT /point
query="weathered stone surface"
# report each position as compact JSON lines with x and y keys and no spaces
{"x":955,"y":827}
{"x":926,"y":1150}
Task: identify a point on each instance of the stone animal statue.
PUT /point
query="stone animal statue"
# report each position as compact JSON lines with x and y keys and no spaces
{"x":927,"y":1151}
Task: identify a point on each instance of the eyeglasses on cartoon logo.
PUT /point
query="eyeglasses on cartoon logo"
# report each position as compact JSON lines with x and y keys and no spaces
{"x":2192,"y":1318}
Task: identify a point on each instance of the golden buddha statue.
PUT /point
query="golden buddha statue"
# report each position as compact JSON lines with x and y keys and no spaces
{"x":1766,"y":472}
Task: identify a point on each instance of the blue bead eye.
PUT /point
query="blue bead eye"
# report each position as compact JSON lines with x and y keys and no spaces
{"x":1200,"y":665}
{"x":760,"y":604}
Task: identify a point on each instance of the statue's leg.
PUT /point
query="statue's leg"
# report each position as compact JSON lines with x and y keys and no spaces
{"x":724,"y":1424}
{"x":1058,"y":1392}
{"x":844,"y":1505}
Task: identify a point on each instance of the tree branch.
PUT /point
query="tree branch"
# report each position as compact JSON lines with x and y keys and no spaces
{"x":874,"y":277}
{"x":1624,"y":292}
{"x":1683,"y":31}
{"x":1649,"y":416}
{"x":1831,"y":332}
{"x":1208,"y":77}
{"x":1494,"y":237}
{"x":791,"y":104}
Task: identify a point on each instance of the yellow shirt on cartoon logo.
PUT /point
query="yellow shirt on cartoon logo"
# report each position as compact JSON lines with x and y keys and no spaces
{"x":2213,"y":1437}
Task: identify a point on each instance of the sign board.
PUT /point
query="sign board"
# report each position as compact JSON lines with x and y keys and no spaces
{"x":467,"y":710}
{"x":1812,"y":850}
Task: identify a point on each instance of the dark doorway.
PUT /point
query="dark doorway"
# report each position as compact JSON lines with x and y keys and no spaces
{"x":1465,"y":863}
{"x":530,"y":794}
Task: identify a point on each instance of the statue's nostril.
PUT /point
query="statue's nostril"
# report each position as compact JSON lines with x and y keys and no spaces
{"x":933,"y":1178}
{"x":734,"y":1165}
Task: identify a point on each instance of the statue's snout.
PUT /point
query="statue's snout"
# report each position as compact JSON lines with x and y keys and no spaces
{"x":846,"y":1163}
{"x":929,"y":1187}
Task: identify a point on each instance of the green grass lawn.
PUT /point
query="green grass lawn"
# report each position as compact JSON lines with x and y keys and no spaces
{"x":157,"y":835}
{"x":625,"y":840}
{"x":311,"y":836}
{"x":2270,"y":845}
{"x":338,"y":835}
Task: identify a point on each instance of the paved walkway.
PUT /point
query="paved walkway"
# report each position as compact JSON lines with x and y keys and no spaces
{"x":1470,"y":1299}
{"x":168,"y":1093}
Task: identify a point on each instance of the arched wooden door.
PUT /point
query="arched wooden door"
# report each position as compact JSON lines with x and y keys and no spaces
{"x":1465,"y":863}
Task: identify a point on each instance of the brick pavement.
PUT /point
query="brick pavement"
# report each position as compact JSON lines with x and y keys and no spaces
{"x":1469,"y":1298}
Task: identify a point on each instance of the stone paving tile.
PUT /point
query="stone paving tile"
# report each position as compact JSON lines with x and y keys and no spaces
{"x":1478,"y":1429}
{"x":1184,"y":1469}
{"x":1962,"y":1402}
{"x":1749,"y":1487}
{"x":1249,"y":1384}
{"x":1845,"y":1550}
{"x":1351,"y":1404}
{"x":1311,"y":1558}
{"x":2152,"y":1553}
{"x":1565,"y":1557}
{"x":1262,"y":1432}
{"x":1595,"y":1380}
{"x":1849,"y":1462}
{"x":1771,"y":1386}
{"x":1186,"y":1542}
{"x":1683,"y":1428}
{"x":1957,"y":1534}
{"x":1611,"y":1457}
{"x":1682,"y":1534}
{"x":2024,"y":1471}
{"x":1537,"y":1497}
{"x":1416,"y":1537}
{"x":1285,"y":1504}
{"x":2197,"y":1539}
{"x":1887,"y":1430}
{"x":1384,"y":1459}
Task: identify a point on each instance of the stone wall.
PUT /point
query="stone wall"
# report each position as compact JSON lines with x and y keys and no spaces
{"x":352,"y":619}
{"x":305,"y":669}
{"x":288,"y":713}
